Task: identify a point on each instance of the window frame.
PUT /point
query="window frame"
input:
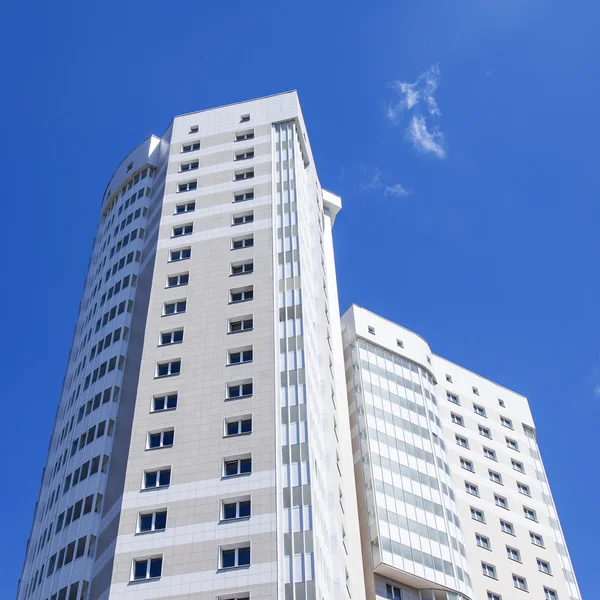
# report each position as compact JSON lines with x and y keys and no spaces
{"x":153,"y":514}
{"x":148,"y":561}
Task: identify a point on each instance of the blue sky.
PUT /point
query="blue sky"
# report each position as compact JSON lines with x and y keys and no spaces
{"x":472,"y":221}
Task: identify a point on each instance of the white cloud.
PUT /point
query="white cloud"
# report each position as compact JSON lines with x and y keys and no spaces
{"x":424,"y":140}
{"x":375,"y":182}
{"x":397,"y":190}
{"x":597,"y":390}
{"x":412,"y":93}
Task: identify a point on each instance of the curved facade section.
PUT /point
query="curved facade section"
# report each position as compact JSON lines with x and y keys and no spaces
{"x":410,"y":516}
{"x":67,"y":522}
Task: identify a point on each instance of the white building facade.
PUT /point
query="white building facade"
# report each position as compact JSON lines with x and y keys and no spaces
{"x":454,"y":501}
{"x":199,"y":449}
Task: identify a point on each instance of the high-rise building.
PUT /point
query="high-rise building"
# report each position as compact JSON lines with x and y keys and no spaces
{"x":222,"y":434}
{"x":453,"y":497}
{"x":200,"y":448}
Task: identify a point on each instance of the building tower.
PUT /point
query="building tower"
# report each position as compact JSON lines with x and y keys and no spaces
{"x":453,"y":498}
{"x":201,"y":448}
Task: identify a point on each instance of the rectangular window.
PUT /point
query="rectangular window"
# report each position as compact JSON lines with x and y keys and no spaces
{"x":536,"y":539}
{"x":244,"y":135}
{"x":467,"y":464}
{"x":185,"y":208}
{"x":242,"y":196}
{"x":452,"y":398}
{"x":550,"y":594}
{"x":485,"y":432}
{"x":237,"y":466}
{"x":239,"y":390}
{"x":507,"y":527}
{"x":462,"y":441}
{"x":523,"y":489}
{"x":168,"y":402}
{"x":506,"y":422}
{"x":173,"y":308}
{"x":488,"y":570}
{"x":188,"y":186}
{"x":148,"y":568}
{"x":244,"y":118}
{"x":241,"y":294}
{"x":241,"y":355}
{"x":242,"y":218}
{"x":178,"y":280}
{"x":495,"y":477}
{"x":154,"y":521}
{"x":191,"y":147}
{"x":476,"y":391}
{"x":501,"y":501}
{"x":544,"y":566}
{"x":171,"y":337}
{"x":181,"y":254}
{"x":471,"y":489}
{"x":530,"y":513}
{"x":477,"y":515}
{"x":156,"y":479}
{"x":520,"y":582}
{"x":517,"y":466}
{"x":245,"y":174}
{"x":242,"y":268}
{"x":513,"y":553}
{"x":488,"y":453}
{"x":161,"y":439}
{"x":167,"y":369}
{"x":244,"y":154}
{"x":242,"y":242}
{"x":457,"y":419}
{"x":233,"y":558}
{"x":493,"y":596}
{"x":237,"y":324}
{"x":479,"y":410}
{"x":190,"y":166}
{"x":182,"y":230}
{"x":482,"y":541}
{"x":236,"y":509}
{"x":392,"y":592}
{"x":512,"y":444}
{"x":238,"y":426}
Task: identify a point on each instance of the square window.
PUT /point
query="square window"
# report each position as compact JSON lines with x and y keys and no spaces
{"x":485,"y":432}
{"x":507,"y":527}
{"x":488,"y":570}
{"x":523,"y":489}
{"x":550,"y":594}
{"x":462,"y":441}
{"x":471,"y":489}
{"x":457,"y":419}
{"x":512,"y":444}
{"x":371,"y":330}
{"x":544,"y":566}
{"x":236,"y":509}
{"x":513,"y":553}
{"x":479,"y":410}
{"x":148,"y":568}
{"x":501,"y":501}
{"x":483,"y":541}
{"x":506,"y":422}
{"x":476,"y":391}
{"x":530,"y":513}
{"x":448,"y":378}
{"x":400,"y":343}
{"x":517,"y":466}
{"x":467,"y":464}
{"x":536,"y":539}
{"x":495,"y":477}
{"x":452,"y":398}
{"x":488,"y":453}
{"x":493,"y":596}
{"x":520,"y":582}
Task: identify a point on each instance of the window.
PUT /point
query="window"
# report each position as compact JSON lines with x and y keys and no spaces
{"x":148,"y":568}
{"x":491,"y":454}
{"x":467,"y":464}
{"x":244,"y":135}
{"x":194,"y":129}
{"x":182,"y":230}
{"x":168,"y":402}
{"x":242,"y":268}
{"x":241,"y":294}
{"x":529,"y":431}
{"x":506,"y":422}
{"x":241,"y":218}
{"x":517,"y":466}
{"x":177,"y":280}
{"x":242,"y":196}
{"x":232,"y":558}
{"x":243,"y":242}
{"x":185,"y":208}
{"x":191,"y":166}
{"x":471,"y":489}
{"x":501,"y":403}
{"x":476,"y":391}
{"x":485,"y":432}
{"x":492,"y":596}
{"x":477,"y":515}
{"x":536,"y":539}
{"x":523,"y":489}
{"x":452,"y":398}
{"x":241,"y":355}
{"x":457,"y":419}
{"x":400,"y":343}
{"x":181,"y":254}
{"x":529,"y":514}
{"x":244,"y":118}
{"x":495,"y":477}
{"x":462,"y":441}
{"x":188,"y":186}
{"x":161,"y":439}
{"x":155,"y":521}
{"x":550,"y":594}
{"x":520,"y":582}
{"x":392,"y":592}
{"x":543,"y":566}
{"x":482,"y":541}
{"x":238,"y":426}
{"x":239,"y":390}
{"x":171,"y":337}
{"x":371,"y":330}
{"x":245,"y":154}
{"x":167,"y":369}
{"x":507,"y":527}
{"x":479,"y":410}
{"x":513,"y":553}
{"x":237,"y":466}
{"x":488,"y":570}
{"x":512,"y":444}
{"x":155,"y":479}
{"x":501,"y":501}
{"x":190,"y":147}
{"x":245,"y":174}
{"x":173,"y":308}
{"x":239,"y":509}
{"x":241,"y":324}
{"x":448,"y":378}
